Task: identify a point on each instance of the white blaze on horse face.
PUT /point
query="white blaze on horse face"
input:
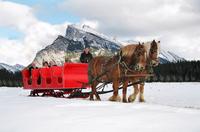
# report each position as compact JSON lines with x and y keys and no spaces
{"x":145,"y":56}
{"x":156,"y":62}
{"x":158,"y":51}
{"x":143,"y":60}
{"x":147,"y":46}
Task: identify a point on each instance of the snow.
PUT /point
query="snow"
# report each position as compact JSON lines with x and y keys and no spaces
{"x":171,"y":57}
{"x":86,"y":28}
{"x":10,"y":68}
{"x":169,"y":107}
{"x":19,"y":67}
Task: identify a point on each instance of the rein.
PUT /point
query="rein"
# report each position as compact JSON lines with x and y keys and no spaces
{"x":128,"y":69}
{"x":149,"y":67}
{"x":103,"y":85}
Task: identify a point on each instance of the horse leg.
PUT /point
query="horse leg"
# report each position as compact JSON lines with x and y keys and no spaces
{"x":125,"y":85}
{"x":115,"y":96}
{"x":94,"y":92}
{"x":141,"y":98}
{"x":133,"y":96}
{"x":93,"y":89}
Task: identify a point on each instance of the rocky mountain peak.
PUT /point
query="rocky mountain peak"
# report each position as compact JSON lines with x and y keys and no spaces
{"x":70,"y":46}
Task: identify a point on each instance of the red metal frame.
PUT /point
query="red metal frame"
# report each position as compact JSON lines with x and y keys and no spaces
{"x":69,"y":76}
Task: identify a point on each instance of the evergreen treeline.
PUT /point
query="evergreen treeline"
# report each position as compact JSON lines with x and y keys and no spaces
{"x":169,"y":72}
{"x":10,"y":79}
{"x":187,"y":71}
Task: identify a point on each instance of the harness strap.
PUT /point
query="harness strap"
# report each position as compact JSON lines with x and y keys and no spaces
{"x":104,"y":92}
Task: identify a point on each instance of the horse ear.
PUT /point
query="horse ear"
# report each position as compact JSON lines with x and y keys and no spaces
{"x":154,"y":41}
{"x":139,"y":43}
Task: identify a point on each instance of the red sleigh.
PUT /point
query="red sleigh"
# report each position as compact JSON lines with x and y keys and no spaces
{"x":57,"y":80}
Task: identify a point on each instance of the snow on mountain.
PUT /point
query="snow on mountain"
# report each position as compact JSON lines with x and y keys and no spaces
{"x":89,"y":30}
{"x":10,"y":68}
{"x":90,"y":37}
{"x":170,"y":57}
{"x":19,"y":67}
{"x":69,"y":47}
{"x":130,"y":42}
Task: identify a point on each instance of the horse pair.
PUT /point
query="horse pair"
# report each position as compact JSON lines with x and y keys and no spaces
{"x":118,"y":69}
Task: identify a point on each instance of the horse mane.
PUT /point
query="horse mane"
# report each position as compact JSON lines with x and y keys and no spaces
{"x":155,"y":46}
{"x":128,"y":50}
{"x":158,"y":46}
{"x":148,"y":46}
{"x":139,"y":50}
{"x":132,"y":53}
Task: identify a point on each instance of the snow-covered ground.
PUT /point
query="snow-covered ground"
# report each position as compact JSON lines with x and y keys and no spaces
{"x":169,"y":107}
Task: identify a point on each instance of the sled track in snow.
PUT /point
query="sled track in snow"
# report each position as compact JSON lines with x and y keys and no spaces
{"x":173,"y":106}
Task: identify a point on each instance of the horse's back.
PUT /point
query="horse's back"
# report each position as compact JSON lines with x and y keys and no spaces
{"x":99,"y":64}
{"x":98,"y":60}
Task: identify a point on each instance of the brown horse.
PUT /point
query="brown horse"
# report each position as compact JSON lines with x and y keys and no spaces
{"x":109,"y":69}
{"x":152,"y":49}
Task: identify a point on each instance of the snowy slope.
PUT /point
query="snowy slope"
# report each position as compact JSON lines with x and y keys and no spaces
{"x":10,"y":68}
{"x":169,"y":107}
{"x":19,"y":67}
{"x":88,"y":29}
{"x":169,"y":56}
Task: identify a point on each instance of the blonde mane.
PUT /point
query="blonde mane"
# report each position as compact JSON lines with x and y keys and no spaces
{"x":128,"y":50}
{"x":158,"y":47}
{"x":149,"y":44}
{"x":147,"y":47}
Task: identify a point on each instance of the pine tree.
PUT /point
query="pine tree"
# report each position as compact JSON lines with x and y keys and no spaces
{"x":1,"y":83}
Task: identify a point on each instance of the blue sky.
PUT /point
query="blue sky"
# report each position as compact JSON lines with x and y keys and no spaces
{"x":10,"y":33}
{"x":44,"y":10}
{"x":47,"y":10}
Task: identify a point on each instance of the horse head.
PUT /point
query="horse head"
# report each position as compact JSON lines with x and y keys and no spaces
{"x":154,"y":52}
{"x":139,"y":58}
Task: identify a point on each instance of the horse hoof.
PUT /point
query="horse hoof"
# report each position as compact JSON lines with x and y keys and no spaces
{"x":98,"y":99}
{"x":131,"y":98}
{"x":115,"y":98}
{"x":141,"y":100}
{"x":91,"y":99}
{"x":125,"y":101}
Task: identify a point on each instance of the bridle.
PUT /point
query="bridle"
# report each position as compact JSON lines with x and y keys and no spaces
{"x":150,"y":65}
